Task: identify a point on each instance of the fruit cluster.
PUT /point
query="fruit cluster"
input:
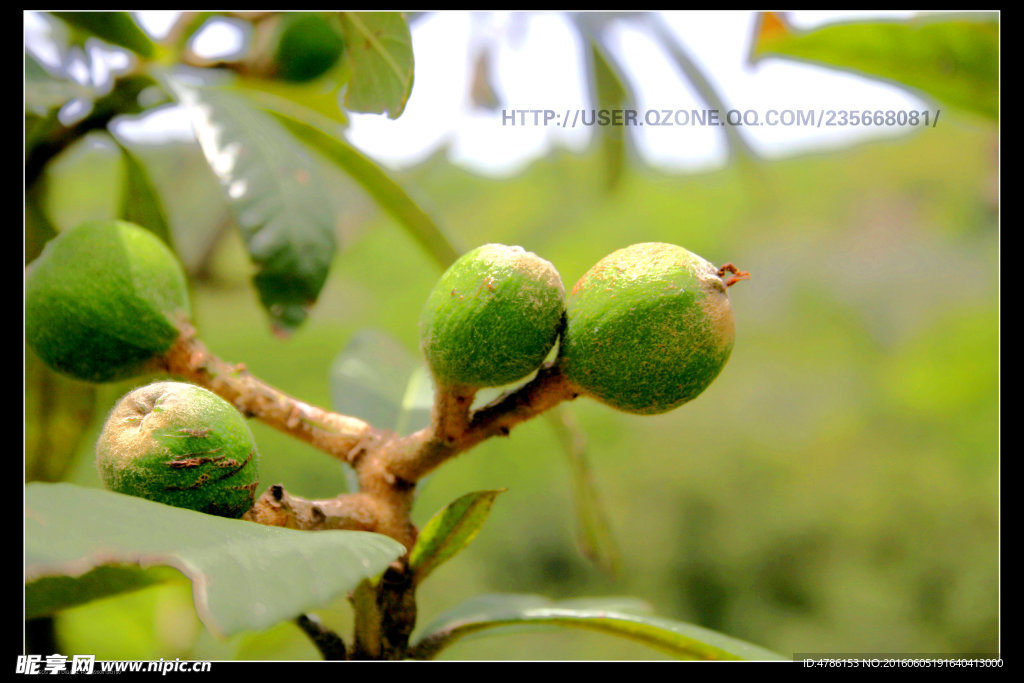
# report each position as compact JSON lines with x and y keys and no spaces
{"x":645,"y":330}
{"x":103,"y":302}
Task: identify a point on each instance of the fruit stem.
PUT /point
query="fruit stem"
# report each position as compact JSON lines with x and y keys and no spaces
{"x":420,"y":453}
{"x":450,"y":415}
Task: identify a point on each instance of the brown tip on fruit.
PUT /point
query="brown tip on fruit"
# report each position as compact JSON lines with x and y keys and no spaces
{"x":736,"y":272}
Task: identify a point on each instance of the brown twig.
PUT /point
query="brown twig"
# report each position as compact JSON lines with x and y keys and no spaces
{"x":330,"y":644}
{"x":339,"y":435}
{"x":277,"y":507}
{"x":387,"y":467}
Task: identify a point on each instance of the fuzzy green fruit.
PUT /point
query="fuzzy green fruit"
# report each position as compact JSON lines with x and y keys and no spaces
{"x":182,"y":445}
{"x":102,"y":300}
{"x":648,"y":328}
{"x":307,"y":47}
{"x":492,"y":318}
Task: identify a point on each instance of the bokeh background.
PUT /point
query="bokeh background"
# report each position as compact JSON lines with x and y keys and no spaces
{"x":834,"y":491}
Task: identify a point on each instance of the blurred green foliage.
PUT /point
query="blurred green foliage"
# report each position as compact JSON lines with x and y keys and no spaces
{"x":835,"y":490}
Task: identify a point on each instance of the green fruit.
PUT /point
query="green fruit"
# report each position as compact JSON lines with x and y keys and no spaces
{"x":182,"y":445}
{"x":648,"y":328}
{"x":102,"y":300}
{"x":492,"y":318}
{"x":308,"y":47}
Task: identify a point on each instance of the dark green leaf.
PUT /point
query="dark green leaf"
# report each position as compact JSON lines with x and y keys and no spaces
{"x":140,"y":202}
{"x":49,"y":595}
{"x":379,"y":53}
{"x":449,"y":531}
{"x":245,"y":576}
{"x":388,"y":193}
{"x":952,"y":58}
{"x":274,"y":190}
{"x":521,"y":612}
{"x":376,"y":379}
{"x":117,"y":28}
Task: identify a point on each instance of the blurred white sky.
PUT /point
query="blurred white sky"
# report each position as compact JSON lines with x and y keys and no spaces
{"x":538,"y":65}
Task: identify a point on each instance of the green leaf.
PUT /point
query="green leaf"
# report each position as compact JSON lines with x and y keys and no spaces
{"x":45,"y":92}
{"x":522,"y":612}
{"x":117,"y":28}
{"x":376,"y":379}
{"x":593,"y":532}
{"x":39,"y":229}
{"x":140,"y":202}
{"x":58,"y":412}
{"x":379,"y":53}
{"x":385,"y":190}
{"x":245,"y":576}
{"x":304,"y":101}
{"x":608,"y":91}
{"x":481,"y":90}
{"x":50,"y":594}
{"x":417,"y":402}
{"x":705,"y":88}
{"x":951,"y":58}
{"x":275,"y":193}
{"x":449,"y":531}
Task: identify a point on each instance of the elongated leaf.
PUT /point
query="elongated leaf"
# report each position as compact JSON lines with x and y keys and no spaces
{"x":704,"y":86}
{"x":481,"y":88}
{"x":386,"y":191}
{"x":375,"y":378}
{"x":608,"y":91}
{"x":58,"y":412}
{"x":952,"y":58}
{"x":140,"y":202}
{"x":117,"y":28}
{"x":321,"y":99}
{"x":379,"y":53}
{"x":273,"y":189}
{"x":593,"y":532}
{"x":519,"y":612}
{"x":245,"y":576}
{"x":450,"y":531}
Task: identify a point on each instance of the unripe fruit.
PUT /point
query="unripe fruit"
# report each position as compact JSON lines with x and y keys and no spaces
{"x":102,"y":300}
{"x":648,"y":328}
{"x":492,"y":317}
{"x":307,"y":47}
{"x":182,"y":445}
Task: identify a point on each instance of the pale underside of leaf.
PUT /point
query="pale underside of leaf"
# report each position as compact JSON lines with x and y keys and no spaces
{"x":245,"y":576}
